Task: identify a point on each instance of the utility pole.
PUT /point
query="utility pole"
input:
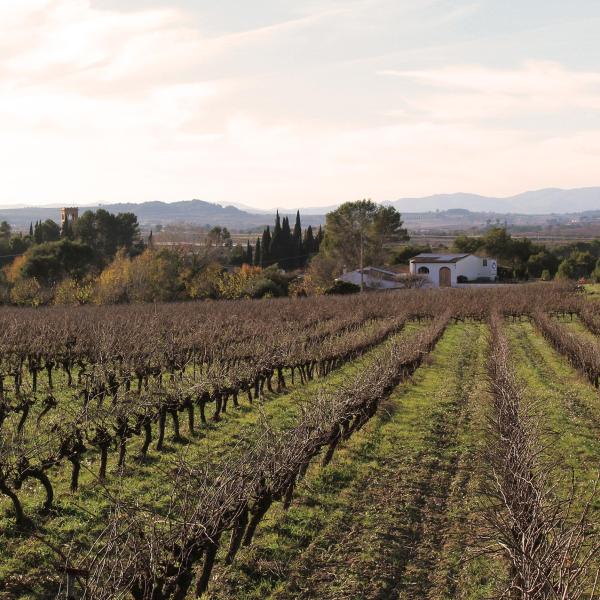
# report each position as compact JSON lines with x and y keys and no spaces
{"x":362,"y":275}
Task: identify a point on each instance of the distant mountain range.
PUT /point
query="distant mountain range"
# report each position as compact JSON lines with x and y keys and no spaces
{"x":538,"y":202}
{"x":197,"y":212}
{"x":535,"y":206}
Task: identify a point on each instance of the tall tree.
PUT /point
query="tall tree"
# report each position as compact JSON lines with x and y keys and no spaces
{"x":106,"y":233}
{"x":248,"y":253}
{"x":5,"y":230}
{"x":276,"y":245}
{"x":299,"y":254}
{"x":257,"y":253}
{"x":356,"y":232}
{"x":265,"y":248}
{"x":287,"y":254}
{"x":309,"y":241}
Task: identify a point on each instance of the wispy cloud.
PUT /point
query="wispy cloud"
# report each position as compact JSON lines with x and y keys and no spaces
{"x":150,"y":103}
{"x":476,"y":91}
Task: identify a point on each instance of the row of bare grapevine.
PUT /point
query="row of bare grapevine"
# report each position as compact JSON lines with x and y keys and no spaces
{"x":149,"y":555}
{"x":530,"y":519}
{"x":582,"y":353}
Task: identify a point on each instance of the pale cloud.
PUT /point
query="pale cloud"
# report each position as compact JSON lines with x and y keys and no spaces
{"x":98,"y":104}
{"x":474,"y":91}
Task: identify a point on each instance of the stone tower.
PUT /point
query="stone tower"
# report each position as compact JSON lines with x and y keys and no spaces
{"x":68,"y":214}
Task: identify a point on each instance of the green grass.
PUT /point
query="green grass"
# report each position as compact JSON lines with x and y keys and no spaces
{"x":392,"y":516}
{"x":25,"y":564}
{"x":569,"y":405}
{"x":592,"y":290}
{"x":388,"y":516}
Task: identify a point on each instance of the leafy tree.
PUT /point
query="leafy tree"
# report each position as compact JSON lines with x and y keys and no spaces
{"x":540,"y":262}
{"x":26,"y":292}
{"x":467,"y":245}
{"x":5,"y":230}
{"x":112,"y":284}
{"x":407,"y":252}
{"x":356,"y":232}
{"x":596,"y":272}
{"x":154,"y":276}
{"x":219,"y":236}
{"x":70,"y":292}
{"x":106,"y":233}
{"x":579,"y":264}
{"x":52,"y":261}
{"x":237,"y":256}
{"x":47,"y":231}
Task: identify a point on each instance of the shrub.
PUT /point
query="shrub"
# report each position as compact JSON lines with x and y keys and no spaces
{"x":263,"y":288}
{"x":462,"y":279}
{"x":342,"y":287}
{"x":26,"y":292}
{"x":71,"y":292}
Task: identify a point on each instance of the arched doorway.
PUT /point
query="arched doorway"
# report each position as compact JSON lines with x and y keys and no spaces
{"x":423,"y":271}
{"x":445,"y":277}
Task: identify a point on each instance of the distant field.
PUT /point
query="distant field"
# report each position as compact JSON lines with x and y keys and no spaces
{"x":419,"y":444}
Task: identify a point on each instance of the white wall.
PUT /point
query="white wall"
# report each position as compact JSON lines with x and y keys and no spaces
{"x":470,"y":267}
{"x":434,"y":272}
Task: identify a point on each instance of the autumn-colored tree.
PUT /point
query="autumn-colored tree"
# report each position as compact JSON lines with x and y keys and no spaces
{"x":153,"y":277}
{"x":204,"y":284}
{"x":70,"y":292}
{"x":26,"y":292}
{"x":113,"y":282}
{"x":13,"y":271}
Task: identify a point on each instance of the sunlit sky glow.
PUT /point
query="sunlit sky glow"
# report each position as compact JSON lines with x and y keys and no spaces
{"x":287,"y":103}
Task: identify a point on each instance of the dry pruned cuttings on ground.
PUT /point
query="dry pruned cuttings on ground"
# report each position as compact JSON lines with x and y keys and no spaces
{"x":158,"y":555}
{"x":533,"y":513}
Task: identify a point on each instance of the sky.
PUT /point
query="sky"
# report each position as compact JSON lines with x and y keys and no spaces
{"x":293,"y":103}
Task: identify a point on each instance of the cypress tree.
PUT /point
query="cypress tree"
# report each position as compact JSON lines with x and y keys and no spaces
{"x":265,"y":248}
{"x":248,"y":253}
{"x":276,"y":246}
{"x":309,"y":241}
{"x":37,"y":233}
{"x":287,"y":254}
{"x":319,"y":238}
{"x":297,"y":242}
{"x":31,"y":230}
{"x":257,"y":254}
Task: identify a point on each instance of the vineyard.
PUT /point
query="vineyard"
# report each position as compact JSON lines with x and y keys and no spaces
{"x":420,"y":444}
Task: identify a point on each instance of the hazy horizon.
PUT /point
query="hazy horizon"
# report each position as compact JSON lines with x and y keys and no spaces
{"x":284,"y":104}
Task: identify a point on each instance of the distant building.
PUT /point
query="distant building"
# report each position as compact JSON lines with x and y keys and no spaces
{"x":449,"y":270}
{"x":68,"y":214}
{"x":374,"y":278}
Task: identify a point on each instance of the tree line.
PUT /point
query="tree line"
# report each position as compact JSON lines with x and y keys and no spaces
{"x":286,"y":247}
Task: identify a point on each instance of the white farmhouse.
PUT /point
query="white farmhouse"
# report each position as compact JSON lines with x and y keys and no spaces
{"x":447,"y":270}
